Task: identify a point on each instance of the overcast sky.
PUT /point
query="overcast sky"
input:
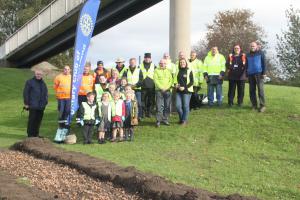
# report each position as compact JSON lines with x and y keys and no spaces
{"x":149,"y":30}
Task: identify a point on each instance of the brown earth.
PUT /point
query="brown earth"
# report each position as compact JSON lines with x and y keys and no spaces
{"x":146,"y":185}
{"x":59,"y":180}
{"x":13,"y":187}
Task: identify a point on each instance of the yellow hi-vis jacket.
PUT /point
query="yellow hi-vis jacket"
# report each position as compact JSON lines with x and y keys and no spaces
{"x":163,"y":79}
{"x":214,"y":65}
{"x":198,"y":68}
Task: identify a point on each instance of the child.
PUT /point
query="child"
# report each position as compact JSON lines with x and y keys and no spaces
{"x":131,"y":115}
{"x":88,"y":117}
{"x":128,"y":88}
{"x":111,"y":89}
{"x":121,"y":88}
{"x":105,"y":116}
{"x":118,"y":116}
{"x":101,"y":87}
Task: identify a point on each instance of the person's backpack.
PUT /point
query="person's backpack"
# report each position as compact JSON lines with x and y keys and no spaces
{"x":60,"y":135}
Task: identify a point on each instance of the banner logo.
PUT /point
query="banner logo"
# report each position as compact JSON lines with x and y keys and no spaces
{"x":86,"y":24}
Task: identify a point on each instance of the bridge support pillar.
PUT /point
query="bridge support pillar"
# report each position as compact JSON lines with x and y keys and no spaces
{"x":180,"y":36}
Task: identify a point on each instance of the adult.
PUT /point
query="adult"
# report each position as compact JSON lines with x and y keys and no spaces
{"x":120,"y":66}
{"x":114,"y":77}
{"x":170,"y":66}
{"x":236,"y":71}
{"x":163,"y":82}
{"x":87,"y":85}
{"x":181,"y":55}
{"x":62,"y":87}
{"x":100,"y":70}
{"x":256,"y":71}
{"x":135,"y":78}
{"x":196,"y":66}
{"x":183,"y":82}
{"x":214,"y":71}
{"x":35,"y":96}
{"x":148,"y":88}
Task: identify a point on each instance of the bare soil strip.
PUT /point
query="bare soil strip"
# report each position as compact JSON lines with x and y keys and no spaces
{"x":147,"y":186}
{"x":62,"y":181}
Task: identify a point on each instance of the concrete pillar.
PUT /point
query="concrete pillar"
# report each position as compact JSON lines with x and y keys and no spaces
{"x":180,"y":28}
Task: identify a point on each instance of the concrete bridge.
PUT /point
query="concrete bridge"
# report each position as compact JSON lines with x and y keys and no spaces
{"x":53,"y":29}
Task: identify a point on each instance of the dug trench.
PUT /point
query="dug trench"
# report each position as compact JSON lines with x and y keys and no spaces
{"x":133,"y":181}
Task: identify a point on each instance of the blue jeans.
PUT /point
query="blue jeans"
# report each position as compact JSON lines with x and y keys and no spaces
{"x":183,"y":105}
{"x":211,"y":88}
{"x":63,"y":109}
{"x":138,"y":96}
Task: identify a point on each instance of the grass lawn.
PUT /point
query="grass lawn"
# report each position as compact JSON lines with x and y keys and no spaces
{"x":222,"y":150}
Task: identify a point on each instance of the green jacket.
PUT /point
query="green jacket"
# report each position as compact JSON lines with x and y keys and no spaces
{"x":163,"y":79}
{"x":214,"y":65}
{"x":198,"y":68}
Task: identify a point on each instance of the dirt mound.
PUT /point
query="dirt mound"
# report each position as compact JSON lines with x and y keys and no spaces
{"x":49,"y":70}
{"x":146,"y":185}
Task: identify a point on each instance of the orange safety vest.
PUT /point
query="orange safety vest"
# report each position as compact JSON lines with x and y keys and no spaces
{"x":87,"y":84}
{"x":243,"y":58}
{"x":100,"y":71}
{"x":62,"y":86}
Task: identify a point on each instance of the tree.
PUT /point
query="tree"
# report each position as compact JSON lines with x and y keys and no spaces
{"x":232,"y":27}
{"x":288,"y":46}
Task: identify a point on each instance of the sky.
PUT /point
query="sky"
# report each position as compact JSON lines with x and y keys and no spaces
{"x":148,"y":31}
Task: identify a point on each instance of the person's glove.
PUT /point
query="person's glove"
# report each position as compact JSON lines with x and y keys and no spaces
{"x":123,"y":118}
{"x":97,"y":121}
{"x":81,"y":122}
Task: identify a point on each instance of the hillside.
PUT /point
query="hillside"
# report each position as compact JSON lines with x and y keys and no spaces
{"x":222,"y":150}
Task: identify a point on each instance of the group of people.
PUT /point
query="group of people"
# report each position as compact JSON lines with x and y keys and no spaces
{"x":115,"y":99}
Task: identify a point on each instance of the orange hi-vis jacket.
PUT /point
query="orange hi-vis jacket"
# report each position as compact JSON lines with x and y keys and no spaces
{"x":87,"y":84}
{"x":62,"y":86}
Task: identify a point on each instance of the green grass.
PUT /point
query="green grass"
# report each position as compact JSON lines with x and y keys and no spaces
{"x":222,"y":150}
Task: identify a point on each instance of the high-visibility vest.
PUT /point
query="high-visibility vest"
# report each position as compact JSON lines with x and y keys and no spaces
{"x":190,"y":89}
{"x":87,"y":84}
{"x":108,"y":110}
{"x":243,"y":58}
{"x":117,"y":108}
{"x":62,"y":86}
{"x":171,"y":67}
{"x":99,"y":91}
{"x":89,"y":111}
{"x":121,"y":73}
{"x":133,"y":78}
{"x":147,"y":73}
{"x":197,"y":67}
{"x":213,"y":65}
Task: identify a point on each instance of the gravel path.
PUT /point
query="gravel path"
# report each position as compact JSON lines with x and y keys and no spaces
{"x":59,"y":180}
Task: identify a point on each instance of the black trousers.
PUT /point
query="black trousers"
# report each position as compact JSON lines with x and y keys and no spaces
{"x":88,"y":131}
{"x":148,"y":100}
{"x":240,"y":85}
{"x":195,"y":99}
{"x":256,"y":81}
{"x":34,"y":122}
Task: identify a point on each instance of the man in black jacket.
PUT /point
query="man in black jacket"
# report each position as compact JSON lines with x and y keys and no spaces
{"x":35,"y":100}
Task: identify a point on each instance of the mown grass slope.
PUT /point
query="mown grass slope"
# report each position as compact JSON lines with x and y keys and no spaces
{"x":222,"y":150}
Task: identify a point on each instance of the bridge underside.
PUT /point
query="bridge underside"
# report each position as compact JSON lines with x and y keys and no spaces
{"x":61,"y":36}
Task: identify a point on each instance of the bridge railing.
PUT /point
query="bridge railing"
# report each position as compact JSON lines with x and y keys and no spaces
{"x":40,"y":22}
